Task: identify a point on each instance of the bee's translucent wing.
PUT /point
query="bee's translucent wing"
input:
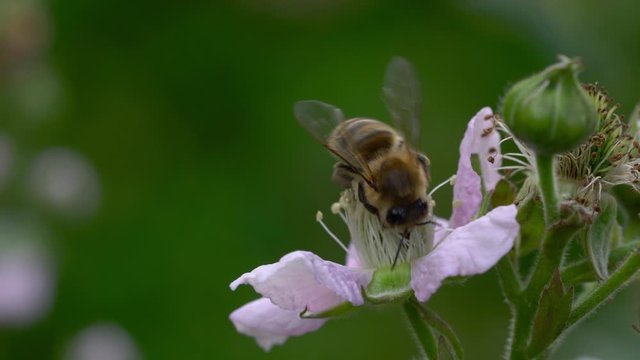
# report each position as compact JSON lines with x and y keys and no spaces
{"x":403,"y":97}
{"x":318,"y":118}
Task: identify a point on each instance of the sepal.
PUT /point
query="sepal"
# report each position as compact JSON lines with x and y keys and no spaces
{"x":552,"y":314}
{"x":390,"y":285}
{"x":600,"y":234}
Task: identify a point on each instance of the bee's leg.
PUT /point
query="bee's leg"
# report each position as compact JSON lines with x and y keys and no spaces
{"x":342,"y":175}
{"x":404,"y":235}
{"x":363,"y":199}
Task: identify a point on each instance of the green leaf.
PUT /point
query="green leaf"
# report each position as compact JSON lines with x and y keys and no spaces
{"x":532,"y":226}
{"x":444,"y":352}
{"x":503,"y":194}
{"x":601,"y":234}
{"x":551,"y":316}
{"x":629,"y":205}
{"x":582,"y":271}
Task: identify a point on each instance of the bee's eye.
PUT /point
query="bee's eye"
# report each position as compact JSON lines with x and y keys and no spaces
{"x":422,"y":205}
{"x":397,"y":215}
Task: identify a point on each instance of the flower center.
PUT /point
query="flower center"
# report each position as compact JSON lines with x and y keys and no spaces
{"x":376,"y":246}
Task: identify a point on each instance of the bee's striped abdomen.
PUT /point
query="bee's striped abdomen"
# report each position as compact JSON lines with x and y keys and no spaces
{"x":366,"y":137}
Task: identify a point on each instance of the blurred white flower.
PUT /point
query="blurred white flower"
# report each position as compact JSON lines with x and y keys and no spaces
{"x":66,"y":182}
{"x":103,"y":341}
{"x":26,"y":274}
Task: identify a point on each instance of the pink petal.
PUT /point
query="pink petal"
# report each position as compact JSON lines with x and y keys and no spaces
{"x":470,"y":249}
{"x":352,"y":257}
{"x":271,"y":325}
{"x":467,"y":194}
{"x":487,"y":146}
{"x":441,"y":229}
{"x":302,"y":280}
{"x":27,"y":286}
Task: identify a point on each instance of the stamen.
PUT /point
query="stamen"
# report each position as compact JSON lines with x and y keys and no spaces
{"x":515,"y":160}
{"x":517,"y":154}
{"x":333,"y":236}
{"x":513,"y":167}
{"x":505,"y":139}
{"x":449,"y":181}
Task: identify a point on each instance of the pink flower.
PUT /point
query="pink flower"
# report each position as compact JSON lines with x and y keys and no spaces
{"x":301,"y":290}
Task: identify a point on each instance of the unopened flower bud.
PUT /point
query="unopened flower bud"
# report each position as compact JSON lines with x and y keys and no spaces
{"x":550,"y":111}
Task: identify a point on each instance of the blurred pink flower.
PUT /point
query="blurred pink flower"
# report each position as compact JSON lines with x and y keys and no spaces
{"x":303,"y":283}
{"x":27,"y":274}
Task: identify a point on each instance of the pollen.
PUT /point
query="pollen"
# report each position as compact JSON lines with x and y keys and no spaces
{"x":319,"y":216}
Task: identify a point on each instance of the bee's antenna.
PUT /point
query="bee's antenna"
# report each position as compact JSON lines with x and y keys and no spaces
{"x":405,"y":234}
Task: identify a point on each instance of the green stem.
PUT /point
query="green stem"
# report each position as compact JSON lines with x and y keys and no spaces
{"x":555,"y":241}
{"x":520,"y":329}
{"x":422,"y":333}
{"x":549,"y":259}
{"x":512,"y":289}
{"x":441,"y":326}
{"x":547,"y":184}
{"x":618,"y":280}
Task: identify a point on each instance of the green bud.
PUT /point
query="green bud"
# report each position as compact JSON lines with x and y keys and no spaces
{"x":550,"y":112}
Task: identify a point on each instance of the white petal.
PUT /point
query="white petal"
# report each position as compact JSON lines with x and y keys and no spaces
{"x":470,"y":249}
{"x":467,"y":195}
{"x":271,"y":325}
{"x":302,"y":280}
{"x":66,"y":182}
{"x":103,"y":341}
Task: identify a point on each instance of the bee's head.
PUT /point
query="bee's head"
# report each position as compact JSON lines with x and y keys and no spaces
{"x":407,"y":215}
{"x":401,"y":195}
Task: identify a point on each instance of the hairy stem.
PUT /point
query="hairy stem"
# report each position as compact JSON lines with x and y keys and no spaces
{"x":525,"y":303}
{"x":553,"y":245}
{"x":422,"y":333}
{"x":547,"y":184}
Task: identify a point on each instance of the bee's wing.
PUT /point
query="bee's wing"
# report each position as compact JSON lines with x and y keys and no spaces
{"x":320,"y":119}
{"x":403,"y":97}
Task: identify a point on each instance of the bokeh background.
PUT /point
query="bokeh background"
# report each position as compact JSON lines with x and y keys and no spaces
{"x":149,"y":156}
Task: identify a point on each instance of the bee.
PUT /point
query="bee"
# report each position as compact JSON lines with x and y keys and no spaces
{"x":392,"y":177}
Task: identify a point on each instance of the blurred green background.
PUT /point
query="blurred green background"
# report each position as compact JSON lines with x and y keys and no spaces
{"x":184,"y":108}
